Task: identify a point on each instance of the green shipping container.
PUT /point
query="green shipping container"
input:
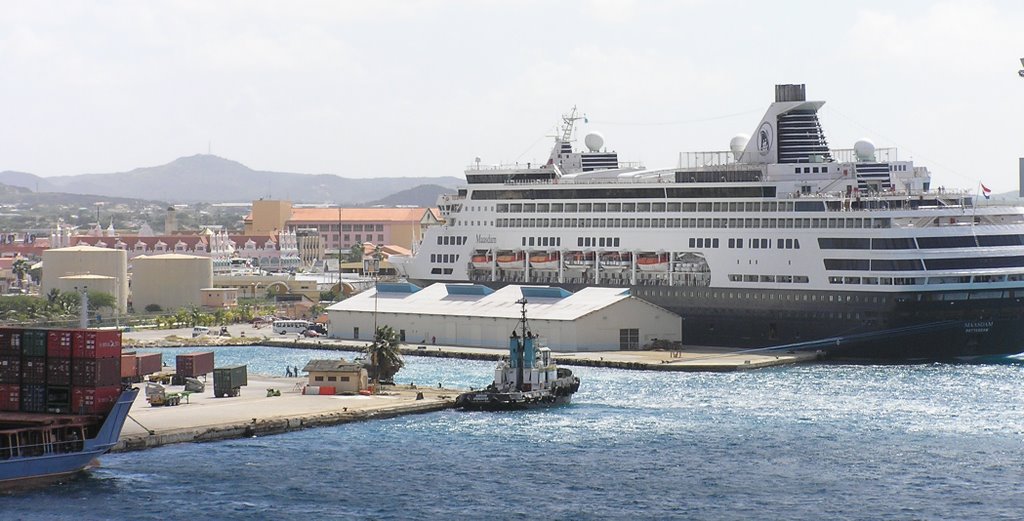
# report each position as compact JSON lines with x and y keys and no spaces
{"x":228,"y":380}
{"x":33,"y":342}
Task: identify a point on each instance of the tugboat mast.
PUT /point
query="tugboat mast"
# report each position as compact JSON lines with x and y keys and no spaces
{"x":520,"y":345}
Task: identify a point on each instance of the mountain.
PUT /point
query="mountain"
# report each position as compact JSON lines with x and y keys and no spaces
{"x":208,"y":178}
{"x":422,"y":196}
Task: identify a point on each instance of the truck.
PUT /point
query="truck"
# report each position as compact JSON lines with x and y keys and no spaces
{"x":157,"y":396}
{"x":228,"y":381}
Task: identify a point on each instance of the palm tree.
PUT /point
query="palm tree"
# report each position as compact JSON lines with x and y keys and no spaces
{"x":355,"y":254}
{"x":20,"y":268}
{"x":384,"y":355}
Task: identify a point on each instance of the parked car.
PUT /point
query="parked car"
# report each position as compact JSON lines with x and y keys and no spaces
{"x":311,"y":333}
{"x":319,"y":328}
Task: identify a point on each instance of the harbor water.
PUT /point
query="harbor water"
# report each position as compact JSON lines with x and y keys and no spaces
{"x":822,"y":441}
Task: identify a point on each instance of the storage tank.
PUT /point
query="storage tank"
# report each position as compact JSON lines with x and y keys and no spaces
{"x":86,"y":260}
{"x":170,"y":281}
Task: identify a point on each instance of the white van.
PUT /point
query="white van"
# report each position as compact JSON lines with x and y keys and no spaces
{"x":200,"y":331}
{"x":283,"y":327}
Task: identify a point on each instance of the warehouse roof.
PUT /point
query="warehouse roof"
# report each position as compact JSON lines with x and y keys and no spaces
{"x":543,"y":302}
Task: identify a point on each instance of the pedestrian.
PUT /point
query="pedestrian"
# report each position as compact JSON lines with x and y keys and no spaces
{"x":288,"y":371}
{"x":296,"y":371}
{"x":433,"y":340}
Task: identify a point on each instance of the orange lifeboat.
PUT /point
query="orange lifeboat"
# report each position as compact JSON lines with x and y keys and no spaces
{"x":653,"y":262}
{"x":482,"y":262}
{"x":512,"y":261}
{"x":544,"y":261}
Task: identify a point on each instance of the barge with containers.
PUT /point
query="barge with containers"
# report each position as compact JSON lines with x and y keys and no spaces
{"x":528,"y":380}
{"x":62,"y":403}
{"x":781,"y":242}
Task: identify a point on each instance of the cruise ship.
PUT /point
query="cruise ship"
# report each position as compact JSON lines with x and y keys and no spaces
{"x":778,"y":242}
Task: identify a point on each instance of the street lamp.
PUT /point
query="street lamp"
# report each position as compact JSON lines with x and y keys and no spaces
{"x":372,"y":265}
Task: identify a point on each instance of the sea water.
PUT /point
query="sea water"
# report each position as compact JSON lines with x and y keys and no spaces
{"x":820,"y":441}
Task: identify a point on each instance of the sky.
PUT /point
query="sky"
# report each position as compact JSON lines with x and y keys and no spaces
{"x":421,"y":88}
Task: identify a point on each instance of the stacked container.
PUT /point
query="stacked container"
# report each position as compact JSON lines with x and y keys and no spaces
{"x":148,"y":363}
{"x":59,"y":371}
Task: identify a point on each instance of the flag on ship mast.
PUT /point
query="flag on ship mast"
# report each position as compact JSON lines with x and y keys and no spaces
{"x":985,"y":191}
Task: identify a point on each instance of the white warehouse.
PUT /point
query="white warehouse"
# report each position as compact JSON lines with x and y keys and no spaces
{"x":592,"y":319}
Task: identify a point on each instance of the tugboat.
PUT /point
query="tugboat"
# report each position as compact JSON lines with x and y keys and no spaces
{"x":528,"y":380}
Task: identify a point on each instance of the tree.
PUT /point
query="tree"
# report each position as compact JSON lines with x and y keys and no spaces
{"x":355,"y":254}
{"x":384,"y":355}
{"x":100,"y":300}
{"x":20,"y":268}
{"x":153,"y":308}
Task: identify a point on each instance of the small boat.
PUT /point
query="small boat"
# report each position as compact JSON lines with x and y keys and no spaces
{"x":512,"y":261}
{"x":37,"y":446}
{"x":652,"y":262}
{"x":579,"y":261}
{"x":482,"y":262}
{"x":544,"y":261}
{"x":616,"y":261}
{"x":528,"y":380}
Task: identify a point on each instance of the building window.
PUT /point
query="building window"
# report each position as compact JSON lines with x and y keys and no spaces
{"x":380,"y":238}
{"x":332,"y":379}
{"x":355,"y":333}
{"x":318,"y":378}
{"x":343,"y":378}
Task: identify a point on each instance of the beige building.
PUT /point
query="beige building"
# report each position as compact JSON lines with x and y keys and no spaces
{"x":219,"y":298}
{"x":268,"y":217}
{"x":592,"y":319}
{"x":344,"y":377}
{"x":311,"y":249}
{"x":87,"y":260}
{"x":170,"y":281}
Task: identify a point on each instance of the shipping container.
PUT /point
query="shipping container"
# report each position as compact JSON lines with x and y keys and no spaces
{"x":33,"y":370}
{"x":327,"y":389}
{"x":10,"y":341}
{"x":96,"y":343}
{"x":94,"y":400}
{"x":149,"y":363}
{"x":58,"y":399}
{"x":33,"y":398}
{"x":58,"y":371}
{"x":10,"y":397}
{"x":10,"y":369}
{"x":194,"y":364}
{"x":311,"y":389}
{"x":58,"y":343}
{"x":33,"y":342}
{"x":227,"y":381}
{"x":129,"y":369}
{"x":100,"y":372}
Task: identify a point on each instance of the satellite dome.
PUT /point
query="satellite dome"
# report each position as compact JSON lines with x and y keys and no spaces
{"x":594,"y":141}
{"x":737,"y":144}
{"x":864,"y":149}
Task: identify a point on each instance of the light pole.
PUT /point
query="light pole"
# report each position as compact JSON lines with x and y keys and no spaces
{"x":373,"y":265}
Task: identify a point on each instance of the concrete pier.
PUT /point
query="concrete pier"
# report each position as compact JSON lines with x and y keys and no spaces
{"x":206,"y":418}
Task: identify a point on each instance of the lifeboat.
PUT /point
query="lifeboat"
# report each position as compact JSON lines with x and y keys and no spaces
{"x":652,"y":262}
{"x":511,"y":261}
{"x":544,"y":261}
{"x":616,"y":261}
{"x":579,"y":261}
{"x":482,"y":262}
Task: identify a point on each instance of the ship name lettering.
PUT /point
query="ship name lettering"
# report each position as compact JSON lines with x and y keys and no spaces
{"x":486,"y":239}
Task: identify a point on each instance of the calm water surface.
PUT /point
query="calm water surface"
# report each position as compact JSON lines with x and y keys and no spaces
{"x":806,"y":442}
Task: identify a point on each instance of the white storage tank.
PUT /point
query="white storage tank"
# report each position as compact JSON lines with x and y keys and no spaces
{"x":170,"y":281}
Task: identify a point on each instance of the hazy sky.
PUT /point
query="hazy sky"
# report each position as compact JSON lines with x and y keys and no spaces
{"x":377,"y":88}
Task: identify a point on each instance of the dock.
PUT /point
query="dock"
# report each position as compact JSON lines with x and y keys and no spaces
{"x":253,"y":413}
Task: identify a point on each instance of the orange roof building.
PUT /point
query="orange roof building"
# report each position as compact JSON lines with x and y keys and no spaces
{"x":342,"y":228}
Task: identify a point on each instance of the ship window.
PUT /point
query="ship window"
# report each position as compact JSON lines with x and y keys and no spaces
{"x":515,"y":207}
{"x":543,"y":207}
{"x":901,"y":243}
{"x":599,"y":207}
{"x":689,"y":207}
{"x":584,"y":207}
{"x":616,"y":241}
{"x":614,"y":207}
{"x":897,"y":264}
{"x":703,"y":207}
{"x":765,"y":244}
{"x":714,"y":243}
{"x":558,"y":241}
{"x":700,"y":242}
{"x":447,"y":271}
{"x":732,"y":243}
{"x":693,"y":242}
{"x":847,"y":264}
{"x":643,"y":207}
{"x":780,"y":244}
{"x":657,"y":207}
{"x":601,"y":242}
{"x":435,"y":271}
{"x":502,"y":208}
{"x":579,"y":241}
{"x":672,"y":207}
